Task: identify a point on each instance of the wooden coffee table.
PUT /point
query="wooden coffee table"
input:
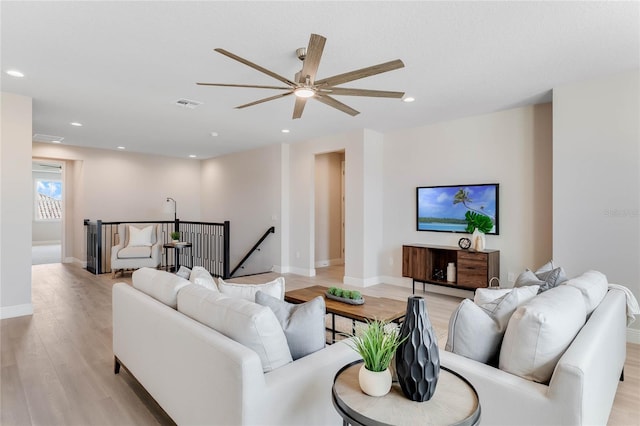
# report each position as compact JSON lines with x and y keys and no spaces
{"x":379,"y":308}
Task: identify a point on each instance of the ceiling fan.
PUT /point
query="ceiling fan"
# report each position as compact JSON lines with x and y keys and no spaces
{"x":305,"y":86}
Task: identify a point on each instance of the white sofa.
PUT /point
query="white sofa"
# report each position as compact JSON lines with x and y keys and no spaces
{"x":199,"y":376}
{"x":583,"y":385}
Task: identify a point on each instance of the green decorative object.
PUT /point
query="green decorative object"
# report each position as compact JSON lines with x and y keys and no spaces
{"x":376,"y":342}
{"x":175,"y":235}
{"x":351,"y":297}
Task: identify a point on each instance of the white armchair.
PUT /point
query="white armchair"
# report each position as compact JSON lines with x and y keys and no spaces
{"x":138,"y":246}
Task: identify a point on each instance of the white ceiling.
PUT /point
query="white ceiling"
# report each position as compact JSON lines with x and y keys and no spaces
{"x":118,"y":67}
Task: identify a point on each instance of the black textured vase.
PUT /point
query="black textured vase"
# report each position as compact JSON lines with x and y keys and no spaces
{"x":418,"y":358}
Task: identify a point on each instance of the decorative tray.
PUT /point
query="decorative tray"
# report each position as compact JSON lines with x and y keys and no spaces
{"x":344,"y":299}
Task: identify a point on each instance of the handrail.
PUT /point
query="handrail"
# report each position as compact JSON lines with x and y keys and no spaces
{"x":271,"y":230}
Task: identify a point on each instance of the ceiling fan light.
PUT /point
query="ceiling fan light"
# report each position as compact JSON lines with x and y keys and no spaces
{"x":304,"y":92}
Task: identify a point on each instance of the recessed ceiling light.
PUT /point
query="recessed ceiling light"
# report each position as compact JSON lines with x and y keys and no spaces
{"x":121,"y":147}
{"x":75,"y":123}
{"x":285,"y":130}
{"x":192,"y":156}
{"x":56,"y":141}
{"x":15,"y":73}
{"x":214,"y":134}
{"x":408,"y":99}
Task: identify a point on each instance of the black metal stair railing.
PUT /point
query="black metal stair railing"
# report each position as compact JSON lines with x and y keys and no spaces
{"x":210,"y":244}
{"x":256,"y":247}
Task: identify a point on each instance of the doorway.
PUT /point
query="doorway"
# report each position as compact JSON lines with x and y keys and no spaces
{"x":329,"y":209}
{"x":48,"y":201}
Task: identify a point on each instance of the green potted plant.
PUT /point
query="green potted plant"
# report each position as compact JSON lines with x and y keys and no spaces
{"x":352,"y":297}
{"x":175,"y":236}
{"x":478,"y":224}
{"x":376,"y":342}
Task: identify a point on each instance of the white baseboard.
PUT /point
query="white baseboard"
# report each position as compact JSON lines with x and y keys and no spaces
{"x":330,"y":262}
{"x":16,"y":311}
{"x":633,"y":335}
{"x":294,"y":270}
{"x":46,"y":243}
{"x":361,"y":282}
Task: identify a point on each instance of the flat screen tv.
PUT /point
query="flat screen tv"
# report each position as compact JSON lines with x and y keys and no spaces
{"x":442,"y":208}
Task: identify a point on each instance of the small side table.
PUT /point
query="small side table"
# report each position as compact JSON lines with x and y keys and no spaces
{"x":176,"y":247}
{"x":454,"y":402}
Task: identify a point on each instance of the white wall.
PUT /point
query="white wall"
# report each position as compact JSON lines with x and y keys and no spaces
{"x":597,"y":179}
{"x":16,"y":204}
{"x":328,"y":209}
{"x":512,"y":148}
{"x":118,"y":185}
{"x":245,"y":188}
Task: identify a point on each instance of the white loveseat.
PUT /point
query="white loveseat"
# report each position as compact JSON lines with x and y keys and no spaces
{"x":583,"y":384}
{"x":199,"y":376}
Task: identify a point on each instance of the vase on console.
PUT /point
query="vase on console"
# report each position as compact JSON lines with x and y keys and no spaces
{"x":418,"y":357}
{"x":478,"y":240}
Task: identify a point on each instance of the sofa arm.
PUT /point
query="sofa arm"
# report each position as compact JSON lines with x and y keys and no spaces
{"x":115,"y":249}
{"x":300,"y":392}
{"x":156,"y":253}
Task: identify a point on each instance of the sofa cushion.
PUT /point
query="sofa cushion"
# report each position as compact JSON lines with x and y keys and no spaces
{"x":540,"y":331}
{"x":248,"y":292}
{"x":161,"y":285}
{"x":248,"y":323}
{"x":201,"y":276}
{"x":303,"y":323}
{"x":475,"y":331}
{"x":593,"y":285}
{"x":140,"y":237}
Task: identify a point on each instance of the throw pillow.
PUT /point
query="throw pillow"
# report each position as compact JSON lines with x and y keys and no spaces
{"x":593,"y":285}
{"x":247,"y":323}
{"x":140,"y":237}
{"x":540,"y":331}
{"x":184,"y":272}
{"x":486,"y":295}
{"x":248,"y":292}
{"x":201,"y":276}
{"x":476,"y":331}
{"x":545,"y":279}
{"x":303,"y":323}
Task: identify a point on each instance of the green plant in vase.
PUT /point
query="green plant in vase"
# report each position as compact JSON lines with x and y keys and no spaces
{"x":175,"y":236}
{"x":478,"y":224}
{"x":376,"y":342}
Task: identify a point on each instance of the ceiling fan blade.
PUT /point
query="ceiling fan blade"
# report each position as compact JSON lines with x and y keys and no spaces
{"x":312,"y":59}
{"x":270,"y":98}
{"x":299,"y":107}
{"x":255,"y":66}
{"x":328,"y":100}
{"x":343,"y":91}
{"x":361,"y":73}
{"x":252,"y":86}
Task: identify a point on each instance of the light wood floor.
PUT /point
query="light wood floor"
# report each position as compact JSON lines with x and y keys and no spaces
{"x":57,"y":365}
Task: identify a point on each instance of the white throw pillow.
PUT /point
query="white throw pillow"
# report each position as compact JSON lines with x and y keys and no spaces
{"x":593,"y":285}
{"x":184,"y":272}
{"x":248,"y":323}
{"x":476,"y":331}
{"x":201,"y":276}
{"x":303,"y":324}
{"x":140,"y":237}
{"x":540,"y":331}
{"x":248,"y":292}
{"x":161,"y":285}
{"x":487,"y":295}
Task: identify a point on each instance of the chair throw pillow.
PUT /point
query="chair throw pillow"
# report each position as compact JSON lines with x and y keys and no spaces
{"x":201,"y":276}
{"x":476,"y":331}
{"x":140,"y":237}
{"x":248,"y":292}
{"x":303,"y":324}
{"x":247,"y":323}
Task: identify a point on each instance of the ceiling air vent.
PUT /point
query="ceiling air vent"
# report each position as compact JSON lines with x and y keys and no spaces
{"x":38,"y":137}
{"x":188,"y":103}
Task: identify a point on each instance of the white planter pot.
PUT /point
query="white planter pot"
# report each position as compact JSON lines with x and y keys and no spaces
{"x":374,"y":383}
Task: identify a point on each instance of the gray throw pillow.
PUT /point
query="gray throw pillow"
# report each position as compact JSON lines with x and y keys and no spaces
{"x":303,"y":324}
{"x":547,"y":279}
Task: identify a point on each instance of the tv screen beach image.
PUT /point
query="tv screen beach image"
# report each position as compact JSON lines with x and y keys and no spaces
{"x":442,"y":208}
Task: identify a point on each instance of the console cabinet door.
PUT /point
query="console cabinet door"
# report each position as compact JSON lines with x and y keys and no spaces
{"x":414,"y":262}
{"x":472,"y":269}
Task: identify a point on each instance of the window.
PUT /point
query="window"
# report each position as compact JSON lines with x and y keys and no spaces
{"x":48,"y":199}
